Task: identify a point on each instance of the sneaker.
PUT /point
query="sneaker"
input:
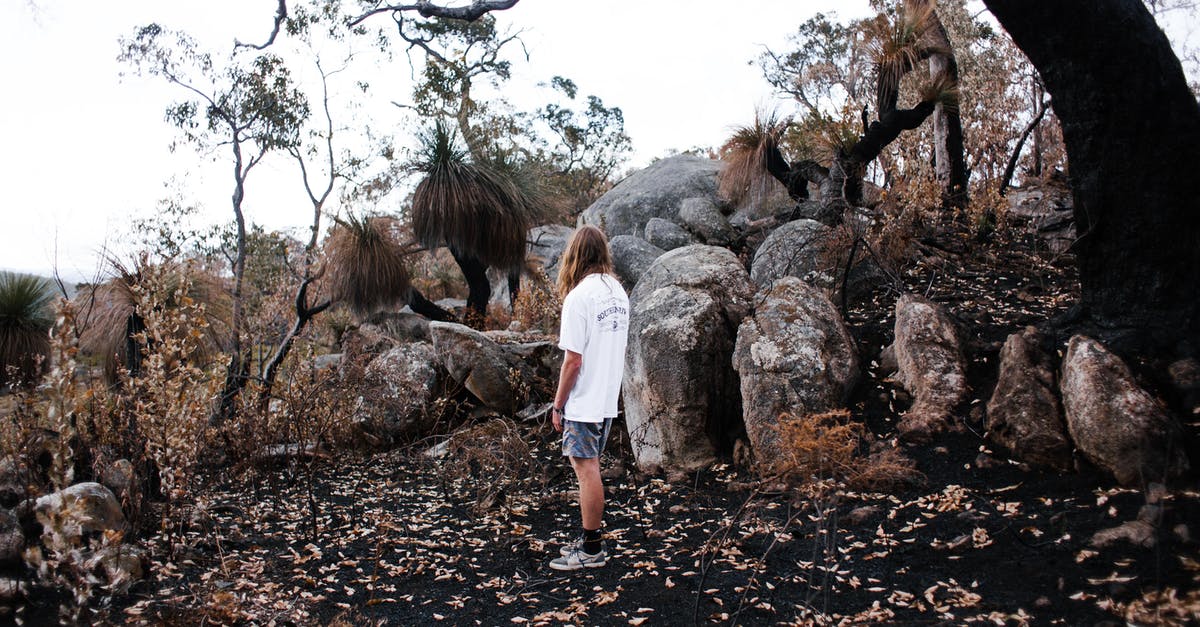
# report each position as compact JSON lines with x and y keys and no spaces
{"x":578,"y":559}
{"x":571,"y":547}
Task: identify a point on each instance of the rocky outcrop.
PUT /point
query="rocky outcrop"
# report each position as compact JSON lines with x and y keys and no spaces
{"x":1024,"y":414}
{"x":667,"y":235}
{"x":475,"y":361}
{"x":797,"y":249}
{"x":657,"y":191}
{"x":84,"y":508}
{"x":794,"y":356}
{"x":929,"y":365}
{"x":631,"y":256}
{"x":1115,"y":423}
{"x":547,"y":243}
{"x":682,"y":402}
{"x":402,"y":326}
{"x":397,"y":390}
{"x":118,"y":476}
{"x":12,"y":538}
{"x":1047,"y":211}
{"x":702,"y":217}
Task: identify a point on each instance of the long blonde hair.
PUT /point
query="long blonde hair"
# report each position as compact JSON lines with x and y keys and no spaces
{"x":586,"y":253}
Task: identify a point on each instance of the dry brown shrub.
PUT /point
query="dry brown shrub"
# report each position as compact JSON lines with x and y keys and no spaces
{"x":538,"y":305}
{"x":830,"y":446}
{"x":493,"y":459}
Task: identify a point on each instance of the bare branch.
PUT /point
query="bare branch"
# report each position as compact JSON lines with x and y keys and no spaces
{"x":280,"y":16}
{"x":424,"y":8}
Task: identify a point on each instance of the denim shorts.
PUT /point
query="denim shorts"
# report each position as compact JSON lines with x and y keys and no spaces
{"x":585,"y":439}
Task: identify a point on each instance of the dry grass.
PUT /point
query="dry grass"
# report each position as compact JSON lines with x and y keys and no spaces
{"x":820,"y":447}
{"x":494,"y":457}
{"x":367,"y":266}
{"x":474,"y":208}
{"x":744,"y":178}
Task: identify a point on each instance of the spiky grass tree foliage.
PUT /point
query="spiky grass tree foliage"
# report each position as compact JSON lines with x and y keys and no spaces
{"x":472,"y":208}
{"x":897,"y":44}
{"x":110,"y":318}
{"x":26,"y":315}
{"x":748,"y":155}
{"x":365,"y":264}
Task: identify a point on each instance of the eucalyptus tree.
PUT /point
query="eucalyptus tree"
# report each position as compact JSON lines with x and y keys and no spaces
{"x":1131,"y":126}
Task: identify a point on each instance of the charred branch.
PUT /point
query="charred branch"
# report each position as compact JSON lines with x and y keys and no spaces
{"x":469,"y":13}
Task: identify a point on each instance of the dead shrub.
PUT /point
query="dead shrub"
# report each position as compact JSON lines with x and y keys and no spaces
{"x":830,"y":446}
{"x":492,"y":459}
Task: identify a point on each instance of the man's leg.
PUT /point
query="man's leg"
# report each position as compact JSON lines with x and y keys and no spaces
{"x":591,"y":491}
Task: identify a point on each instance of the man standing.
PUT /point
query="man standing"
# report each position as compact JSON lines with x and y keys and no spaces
{"x":593,"y":334}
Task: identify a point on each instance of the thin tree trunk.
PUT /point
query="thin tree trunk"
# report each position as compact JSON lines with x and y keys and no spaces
{"x":1011,"y":167}
{"x":1131,"y":128}
{"x":950,"y":164}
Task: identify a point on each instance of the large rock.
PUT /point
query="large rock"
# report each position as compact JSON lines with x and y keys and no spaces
{"x":1024,"y":414}
{"x":703,"y":217}
{"x":667,"y":235}
{"x":657,"y":191}
{"x":544,"y":244}
{"x":930,"y":365}
{"x":477,"y":362}
{"x":547,"y":244}
{"x":631,"y":257}
{"x":1047,"y":211}
{"x":398,"y":388}
{"x":402,"y":326}
{"x":84,"y":508}
{"x":799,"y":249}
{"x":1115,"y":423}
{"x":682,"y":403}
{"x":795,"y":356}
{"x":12,"y":538}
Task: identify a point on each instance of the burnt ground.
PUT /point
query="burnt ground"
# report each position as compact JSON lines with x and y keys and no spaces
{"x":402,"y":539}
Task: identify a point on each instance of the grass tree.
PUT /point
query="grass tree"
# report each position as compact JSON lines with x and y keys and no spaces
{"x":26,"y":315}
{"x":894,"y":44}
{"x":479,"y":211}
{"x":112,"y":323}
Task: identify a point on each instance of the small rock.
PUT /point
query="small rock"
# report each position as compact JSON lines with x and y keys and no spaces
{"x":1135,"y":532}
{"x":1183,"y":532}
{"x":678,"y":509}
{"x":80,"y":509}
{"x":437,"y":451}
{"x":615,"y":471}
{"x":983,"y":460}
{"x":123,"y":564}
{"x":1150,"y":514}
{"x":859,"y":515}
{"x":677,"y":476}
{"x":118,"y":477}
{"x":1042,"y":602}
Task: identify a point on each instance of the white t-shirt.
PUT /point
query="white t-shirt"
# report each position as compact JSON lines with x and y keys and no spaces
{"x":595,"y":324}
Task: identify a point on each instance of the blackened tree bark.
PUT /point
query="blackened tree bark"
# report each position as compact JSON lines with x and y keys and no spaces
{"x":1132,"y":133}
{"x":950,"y":162}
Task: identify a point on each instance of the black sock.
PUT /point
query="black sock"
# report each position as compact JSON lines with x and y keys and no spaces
{"x":591,"y":541}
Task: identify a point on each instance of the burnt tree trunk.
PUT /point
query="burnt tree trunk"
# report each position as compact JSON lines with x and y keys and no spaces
{"x":479,"y":288}
{"x":1132,"y":133}
{"x":950,"y":163}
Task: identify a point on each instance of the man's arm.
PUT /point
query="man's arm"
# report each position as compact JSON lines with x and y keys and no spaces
{"x":571,"y":364}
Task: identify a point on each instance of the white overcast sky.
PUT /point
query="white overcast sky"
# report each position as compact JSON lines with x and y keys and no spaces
{"x":84,"y":149}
